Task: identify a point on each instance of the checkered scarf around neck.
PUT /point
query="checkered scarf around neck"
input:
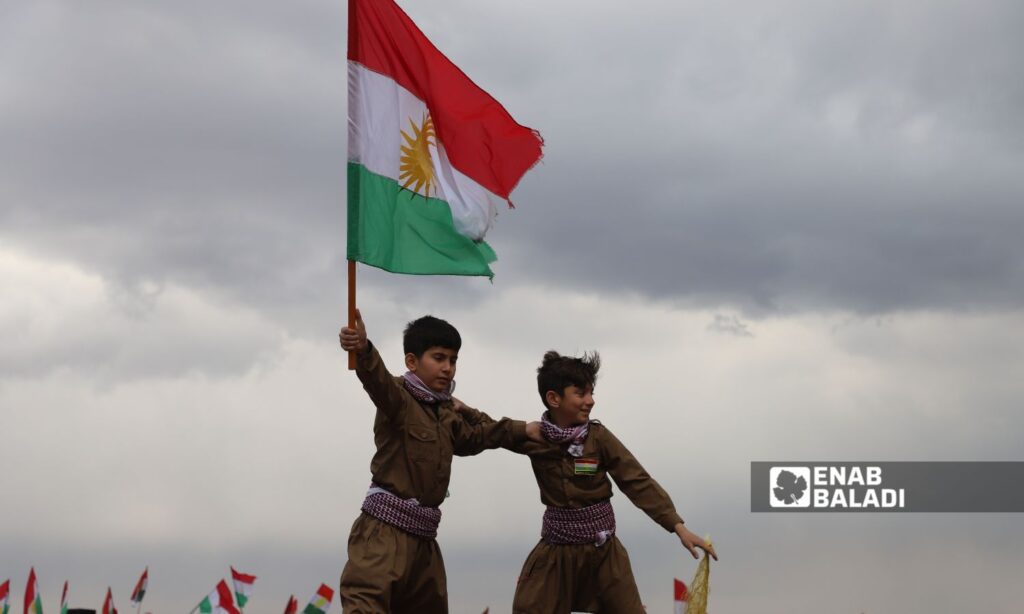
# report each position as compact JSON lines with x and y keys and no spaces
{"x":594,"y":524}
{"x":405,"y":514}
{"x":422,"y":393}
{"x":556,"y":434}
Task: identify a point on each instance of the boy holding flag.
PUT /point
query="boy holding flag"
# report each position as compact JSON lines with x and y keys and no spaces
{"x":431,"y":158}
{"x":394,"y":562}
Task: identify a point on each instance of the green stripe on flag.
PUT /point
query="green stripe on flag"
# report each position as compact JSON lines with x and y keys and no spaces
{"x":241,"y":599}
{"x":403,"y":232}
{"x":206,"y":607}
{"x":318,"y":605}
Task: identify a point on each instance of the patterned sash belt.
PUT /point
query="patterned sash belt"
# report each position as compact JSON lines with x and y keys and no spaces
{"x":593,"y":524}
{"x":405,"y":514}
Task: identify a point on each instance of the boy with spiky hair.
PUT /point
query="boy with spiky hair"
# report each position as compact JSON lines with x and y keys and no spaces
{"x":394,"y":562}
{"x":579,"y":563}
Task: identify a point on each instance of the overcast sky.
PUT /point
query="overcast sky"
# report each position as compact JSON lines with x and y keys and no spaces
{"x":791,"y":228}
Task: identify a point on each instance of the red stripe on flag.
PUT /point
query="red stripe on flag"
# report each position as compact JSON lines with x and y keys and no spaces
{"x":5,"y":589}
{"x":326,"y":592}
{"x":244,"y":578}
{"x":108,"y":603}
{"x":140,"y":586}
{"x":30,"y":589}
{"x":226,"y":599}
{"x":681,"y":594}
{"x":481,"y":138}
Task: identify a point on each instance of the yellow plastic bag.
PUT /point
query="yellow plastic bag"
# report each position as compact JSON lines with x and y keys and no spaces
{"x":697,"y":603}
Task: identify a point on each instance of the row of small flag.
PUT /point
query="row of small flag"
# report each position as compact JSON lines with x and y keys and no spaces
{"x":221,"y":601}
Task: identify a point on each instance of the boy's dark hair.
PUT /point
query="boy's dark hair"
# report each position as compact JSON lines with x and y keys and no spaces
{"x":558,"y":372}
{"x":427,"y":332}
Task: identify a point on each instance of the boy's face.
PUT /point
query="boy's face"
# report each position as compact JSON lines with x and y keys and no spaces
{"x":572,"y":407}
{"x":436,"y":367}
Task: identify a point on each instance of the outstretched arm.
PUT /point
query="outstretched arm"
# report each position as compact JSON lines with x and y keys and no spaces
{"x":475,"y":431}
{"x":370,"y":369}
{"x":645,"y":493}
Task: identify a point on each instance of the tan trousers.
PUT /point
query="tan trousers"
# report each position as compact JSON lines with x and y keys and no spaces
{"x":561,"y":579}
{"x":392,"y":572}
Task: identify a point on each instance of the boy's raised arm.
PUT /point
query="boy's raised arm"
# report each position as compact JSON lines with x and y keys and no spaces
{"x":370,"y":369}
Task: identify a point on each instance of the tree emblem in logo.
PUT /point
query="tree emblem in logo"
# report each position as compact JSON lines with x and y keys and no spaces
{"x":789,"y":488}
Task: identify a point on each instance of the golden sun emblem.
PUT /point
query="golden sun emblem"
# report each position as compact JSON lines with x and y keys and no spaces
{"x":417,"y":169}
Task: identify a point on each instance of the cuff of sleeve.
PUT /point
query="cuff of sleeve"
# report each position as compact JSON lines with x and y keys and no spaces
{"x":367,"y":358}
{"x":670,"y":521}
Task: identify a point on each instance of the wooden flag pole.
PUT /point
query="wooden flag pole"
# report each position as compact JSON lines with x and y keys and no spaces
{"x":352,"y":308}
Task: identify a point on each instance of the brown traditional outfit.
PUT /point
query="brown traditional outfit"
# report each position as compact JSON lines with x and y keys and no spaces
{"x":391,"y":569}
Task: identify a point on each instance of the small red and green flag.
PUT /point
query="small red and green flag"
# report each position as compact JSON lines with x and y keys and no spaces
{"x":585,"y":466}
{"x":679,"y":596}
{"x":64,"y":599}
{"x":5,"y":596}
{"x":293,"y":605}
{"x":321,"y":601}
{"x":243,"y":586}
{"x":108,"y":603}
{"x":140,"y":587}
{"x":220,"y":600}
{"x":33,"y":601}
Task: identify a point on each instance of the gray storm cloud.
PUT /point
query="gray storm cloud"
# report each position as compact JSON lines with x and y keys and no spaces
{"x":779,"y":159}
{"x":792,"y":230}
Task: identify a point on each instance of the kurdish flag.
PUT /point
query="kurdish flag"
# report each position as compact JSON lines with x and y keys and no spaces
{"x":293,"y":605}
{"x":5,"y":596}
{"x":33,"y":602}
{"x":321,"y":601}
{"x":220,"y":600}
{"x":140,"y":587}
{"x":680,"y":595}
{"x":64,"y":599}
{"x":431,"y":156}
{"x":243,"y":586}
{"x":108,"y":603}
